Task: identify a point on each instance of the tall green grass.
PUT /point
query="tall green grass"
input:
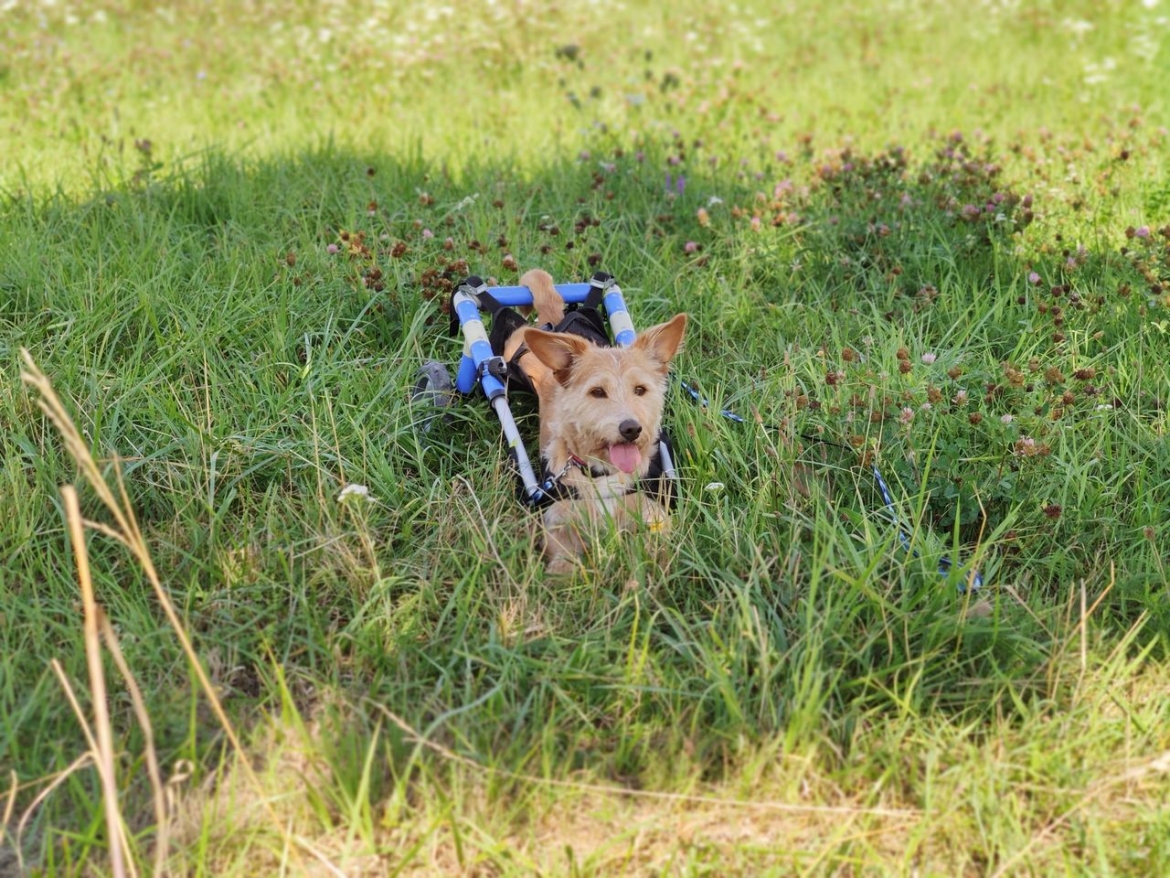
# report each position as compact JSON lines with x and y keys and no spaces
{"x":928,"y":236}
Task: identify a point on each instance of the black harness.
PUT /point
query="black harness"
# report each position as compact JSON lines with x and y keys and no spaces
{"x":584,"y":320}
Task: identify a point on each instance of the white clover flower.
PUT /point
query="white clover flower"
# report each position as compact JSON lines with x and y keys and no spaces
{"x":350,"y":493}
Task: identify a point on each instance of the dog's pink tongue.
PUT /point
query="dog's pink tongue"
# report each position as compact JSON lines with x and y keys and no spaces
{"x":625,"y":456}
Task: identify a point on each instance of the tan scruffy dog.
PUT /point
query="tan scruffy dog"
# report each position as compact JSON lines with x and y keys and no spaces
{"x":600,"y":418}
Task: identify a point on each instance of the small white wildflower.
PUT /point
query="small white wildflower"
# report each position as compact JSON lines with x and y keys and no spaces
{"x":929,"y":358}
{"x":351,"y":491}
{"x":713,"y":200}
{"x":713,"y":487}
{"x":1105,"y":407}
{"x":1007,"y":419}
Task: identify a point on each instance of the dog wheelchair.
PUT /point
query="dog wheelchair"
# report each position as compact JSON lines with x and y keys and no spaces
{"x":588,"y":307}
{"x":595,"y":310}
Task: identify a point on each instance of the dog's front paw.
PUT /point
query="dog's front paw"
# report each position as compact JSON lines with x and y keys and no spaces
{"x":560,"y":565}
{"x":562,"y":542}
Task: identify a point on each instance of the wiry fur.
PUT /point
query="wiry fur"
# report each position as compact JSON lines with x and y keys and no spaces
{"x":592,"y":399}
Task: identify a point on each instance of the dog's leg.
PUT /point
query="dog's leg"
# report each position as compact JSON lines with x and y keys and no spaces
{"x":550,"y":307}
{"x":637,"y":511}
{"x":652,"y":520}
{"x":570,"y":526}
{"x":564,"y":541}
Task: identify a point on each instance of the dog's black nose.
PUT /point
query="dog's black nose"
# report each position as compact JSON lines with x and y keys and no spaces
{"x":630,"y":429}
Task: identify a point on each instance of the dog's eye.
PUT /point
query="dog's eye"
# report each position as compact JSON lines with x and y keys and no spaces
{"x":598,"y":393}
{"x":640,"y":390}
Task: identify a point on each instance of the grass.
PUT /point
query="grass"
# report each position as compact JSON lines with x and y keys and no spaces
{"x":935,"y":236}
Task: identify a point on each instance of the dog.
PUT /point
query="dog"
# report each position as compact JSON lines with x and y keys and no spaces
{"x":600,"y":411}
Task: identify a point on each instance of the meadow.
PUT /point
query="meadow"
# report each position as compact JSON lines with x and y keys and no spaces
{"x":286,"y":622}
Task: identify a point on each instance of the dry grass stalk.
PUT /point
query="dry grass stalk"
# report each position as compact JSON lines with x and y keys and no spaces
{"x":104,"y":752}
{"x":9,"y":808}
{"x":152,"y":767}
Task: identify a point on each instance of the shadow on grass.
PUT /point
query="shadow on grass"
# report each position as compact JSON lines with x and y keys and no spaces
{"x":244,"y":336}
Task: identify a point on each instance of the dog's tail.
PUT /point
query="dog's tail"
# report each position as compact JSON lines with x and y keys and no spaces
{"x":550,"y":307}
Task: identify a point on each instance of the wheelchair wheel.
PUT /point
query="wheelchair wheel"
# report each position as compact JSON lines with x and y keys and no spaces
{"x":433,"y":392}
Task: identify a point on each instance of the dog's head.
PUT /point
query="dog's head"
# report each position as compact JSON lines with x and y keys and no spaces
{"x":607,"y":407}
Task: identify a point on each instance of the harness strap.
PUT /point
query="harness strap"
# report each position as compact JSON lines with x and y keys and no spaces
{"x":516,"y":375}
{"x":505,"y":321}
{"x":582,"y":320}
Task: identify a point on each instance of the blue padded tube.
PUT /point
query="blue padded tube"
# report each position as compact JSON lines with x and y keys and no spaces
{"x":476,"y":345}
{"x":465,"y":380}
{"x":523,"y":296}
{"x":619,"y":317}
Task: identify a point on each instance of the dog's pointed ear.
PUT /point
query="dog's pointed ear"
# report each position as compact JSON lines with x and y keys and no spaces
{"x":557,"y":350}
{"x":662,"y":342}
